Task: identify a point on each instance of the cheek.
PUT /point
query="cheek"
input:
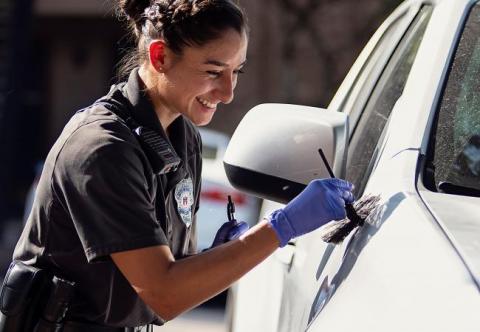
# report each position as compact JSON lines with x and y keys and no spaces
{"x":191,"y":82}
{"x":201,"y":87}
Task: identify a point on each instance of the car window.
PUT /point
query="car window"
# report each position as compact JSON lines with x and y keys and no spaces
{"x":355,"y":99}
{"x":387,"y":91}
{"x":454,"y":152}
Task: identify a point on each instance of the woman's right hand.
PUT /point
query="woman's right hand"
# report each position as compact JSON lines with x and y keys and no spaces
{"x":320,"y":202}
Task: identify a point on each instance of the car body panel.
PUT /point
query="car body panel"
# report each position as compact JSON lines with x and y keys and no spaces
{"x":408,"y":272}
{"x":458,"y":216}
{"x":400,"y":251}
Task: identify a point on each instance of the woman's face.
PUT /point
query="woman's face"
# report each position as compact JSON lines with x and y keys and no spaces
{"x":202,"y":77}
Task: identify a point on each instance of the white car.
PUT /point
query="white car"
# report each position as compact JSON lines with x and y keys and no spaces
{"x":216,"y":189}
{"x":404,"y":125}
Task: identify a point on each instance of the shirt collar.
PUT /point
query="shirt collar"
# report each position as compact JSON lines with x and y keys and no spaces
{"x":143,"y":111}
{"x":144,"y":114}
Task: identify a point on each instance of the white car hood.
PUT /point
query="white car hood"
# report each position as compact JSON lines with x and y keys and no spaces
{"x":459,"y":216}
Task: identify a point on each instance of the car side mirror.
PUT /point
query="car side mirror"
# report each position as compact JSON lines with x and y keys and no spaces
{"x":274,"y":154}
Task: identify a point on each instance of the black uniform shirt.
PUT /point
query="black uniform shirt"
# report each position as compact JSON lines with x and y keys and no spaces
{"x":98,"y":195}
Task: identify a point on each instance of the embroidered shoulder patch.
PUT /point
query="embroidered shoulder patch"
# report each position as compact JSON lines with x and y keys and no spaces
{"x":184,"y":198}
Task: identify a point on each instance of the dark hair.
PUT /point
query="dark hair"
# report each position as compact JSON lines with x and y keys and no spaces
{"x":179,"y":22}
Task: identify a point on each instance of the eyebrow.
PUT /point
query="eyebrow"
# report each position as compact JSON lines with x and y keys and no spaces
{"x":221,"y":64}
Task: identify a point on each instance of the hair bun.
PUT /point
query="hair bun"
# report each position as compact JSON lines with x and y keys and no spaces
{"x":133,"y":9}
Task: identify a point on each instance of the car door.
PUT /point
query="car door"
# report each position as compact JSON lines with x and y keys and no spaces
{"x":316,"y":269}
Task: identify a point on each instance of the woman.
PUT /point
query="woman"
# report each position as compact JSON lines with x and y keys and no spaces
{"x":107,"y":217}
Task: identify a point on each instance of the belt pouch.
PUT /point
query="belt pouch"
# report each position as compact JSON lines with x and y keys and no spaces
{"x":22,"y":290}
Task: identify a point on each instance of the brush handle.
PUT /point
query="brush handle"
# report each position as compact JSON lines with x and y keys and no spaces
{"x":353,"y":215}
{"x":327,"y":165}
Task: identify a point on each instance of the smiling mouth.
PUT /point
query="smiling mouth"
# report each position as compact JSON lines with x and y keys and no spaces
{"x":206,"y":103}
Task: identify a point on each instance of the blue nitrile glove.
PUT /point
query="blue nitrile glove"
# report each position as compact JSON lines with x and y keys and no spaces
{"x":320,"y":202}
{"x":229,"y":231}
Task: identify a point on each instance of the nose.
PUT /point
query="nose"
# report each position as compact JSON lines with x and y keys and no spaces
{"x":225,"y":89}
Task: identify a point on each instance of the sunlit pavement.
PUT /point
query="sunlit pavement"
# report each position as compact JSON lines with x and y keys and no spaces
{"x":203,"y":319}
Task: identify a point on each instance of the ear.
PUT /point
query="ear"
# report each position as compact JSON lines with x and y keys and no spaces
{"x":156,"y":51}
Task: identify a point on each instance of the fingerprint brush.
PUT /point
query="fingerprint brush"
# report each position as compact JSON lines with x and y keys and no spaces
{"x":336,"y":231}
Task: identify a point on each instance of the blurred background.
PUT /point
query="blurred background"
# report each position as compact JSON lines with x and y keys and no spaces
{"x":57,"y":56}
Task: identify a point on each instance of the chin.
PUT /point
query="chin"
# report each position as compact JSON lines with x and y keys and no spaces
{"x":201,"y":119}
{"x":202,"y":122}
{"x":200,"y":116}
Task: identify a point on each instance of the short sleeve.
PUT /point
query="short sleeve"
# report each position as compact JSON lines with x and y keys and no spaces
{"x":103,"y":180}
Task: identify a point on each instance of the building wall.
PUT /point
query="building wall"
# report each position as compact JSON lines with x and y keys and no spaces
{"x":80,"y":54}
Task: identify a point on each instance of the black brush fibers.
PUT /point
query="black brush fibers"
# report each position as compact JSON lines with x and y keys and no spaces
{"x":337,"y":231}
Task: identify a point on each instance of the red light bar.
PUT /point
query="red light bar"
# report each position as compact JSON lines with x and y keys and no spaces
{"x":221,"y":195}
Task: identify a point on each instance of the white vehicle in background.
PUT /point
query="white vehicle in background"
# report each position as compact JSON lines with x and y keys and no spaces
{"x":216,"y":189}
{"x":404,"y":125}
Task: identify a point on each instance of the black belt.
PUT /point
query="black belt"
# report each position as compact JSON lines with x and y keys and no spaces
{"x":85,"y":327}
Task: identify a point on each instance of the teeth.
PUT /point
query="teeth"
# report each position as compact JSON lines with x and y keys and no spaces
{"x":206,"y":103}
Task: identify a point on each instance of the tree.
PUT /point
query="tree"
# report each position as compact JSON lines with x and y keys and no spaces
{"x":314,"y":19}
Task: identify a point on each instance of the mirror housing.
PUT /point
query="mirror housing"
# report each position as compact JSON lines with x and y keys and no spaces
{"x":274,"y":154}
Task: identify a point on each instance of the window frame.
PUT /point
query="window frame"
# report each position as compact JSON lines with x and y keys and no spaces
{"x":423,"y":13}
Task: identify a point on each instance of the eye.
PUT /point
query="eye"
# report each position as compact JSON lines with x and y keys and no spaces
{"x":213,"y":74}
{"x":238,"y":71}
